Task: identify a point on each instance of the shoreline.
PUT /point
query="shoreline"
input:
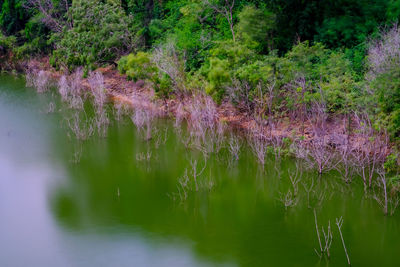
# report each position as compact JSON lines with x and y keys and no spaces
{"x":138,"y":95}
{"x":320,"y":143}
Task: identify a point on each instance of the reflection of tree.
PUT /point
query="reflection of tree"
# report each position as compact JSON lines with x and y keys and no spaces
{"x":239,"y":220}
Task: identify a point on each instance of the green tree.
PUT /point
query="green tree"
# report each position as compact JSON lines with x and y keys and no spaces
{"x":13,"y":16}
{"x":255,"y":27}
{"x":100,"y":33}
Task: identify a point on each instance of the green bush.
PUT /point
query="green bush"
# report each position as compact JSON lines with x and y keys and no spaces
{"x":140,"y":67}
{"x":7,"y":43}
{"x":255,"y":27}
{"x":218,"y":76}
{"x":137,"y":66}
{"x":224,"y":60}
{"x":99,"y":35}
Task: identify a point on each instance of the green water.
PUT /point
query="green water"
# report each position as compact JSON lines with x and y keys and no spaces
{"x":99,"y":203}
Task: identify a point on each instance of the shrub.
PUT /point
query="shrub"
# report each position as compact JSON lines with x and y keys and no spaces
{"x":218,"y":77}
{"x":137,"y":66}
{"x":100,"y":34}
{"x":171,"y":65}
{"x":140,"y":67}
{"x":6,"y":43}
{"x":384,"y":77}
{"x":255,"y":27}
{"x":225,"y":58}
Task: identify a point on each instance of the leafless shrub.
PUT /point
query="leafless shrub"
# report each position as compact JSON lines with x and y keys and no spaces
{"x":317,"y":155}
{"x":347,"y":162}
{"x":101,"y":121}
{"x":63,"y":88}
{"x":179,"y":115}
{"x":239,"y":92}
{"x":217,"y":137}
{"x":42,"y":82}
{"x":143,"y":118}
{"x":258,"y":144}
{"x":81,"y":128}
{"x":120,"y":110}
{"x":372,"y":153}
{"x":388,"y":202}
{"x":30,"y":76}
{"x":97,"y":87}
{"x":384,"y":53}
{"x":264,"y":101}
{"x":38,"y":79}
{"x":203,"y":115}
{"x":70,"y":89}
{"x":169,"y":62}
{"x":206,"y":131}
{"x":317,"y":116}
{"x":75,"y":82}
{"x":98,"y":90}
{"x":75,"y":101}
{"x":300,"y":111}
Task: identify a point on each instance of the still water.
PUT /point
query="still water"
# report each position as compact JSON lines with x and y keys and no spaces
{"x":117,"y":201}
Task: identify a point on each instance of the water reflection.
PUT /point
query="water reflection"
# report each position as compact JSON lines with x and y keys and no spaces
{"x":115,"y":206}
{"x":40,"y":224}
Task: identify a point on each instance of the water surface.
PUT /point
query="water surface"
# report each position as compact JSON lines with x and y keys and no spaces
{"x":99,"y":203}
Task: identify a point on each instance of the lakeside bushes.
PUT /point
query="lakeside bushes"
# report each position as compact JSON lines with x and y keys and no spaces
{"x":267,"y":57}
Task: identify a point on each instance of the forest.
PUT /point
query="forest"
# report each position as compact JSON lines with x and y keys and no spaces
{"x":271,"y":59}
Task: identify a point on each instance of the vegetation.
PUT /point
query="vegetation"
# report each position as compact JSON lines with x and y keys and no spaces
{"x":303,"y":60}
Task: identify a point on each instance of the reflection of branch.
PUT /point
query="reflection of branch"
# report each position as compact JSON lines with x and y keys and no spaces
{"x":339,"y":223}
{"x":384,"y":202}
{"x":327,"y":236}
{"x":316,"y":228}
{"x":308,"y":190}
{"x":295,"y":177}
{"x":234,"y":147}
{"x":195,"y":173}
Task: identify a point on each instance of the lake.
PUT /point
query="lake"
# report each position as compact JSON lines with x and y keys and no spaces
{"x":121,"y":200}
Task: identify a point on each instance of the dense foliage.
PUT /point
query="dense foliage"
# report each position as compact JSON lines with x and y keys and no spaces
{"x":99,"y":34}
{"x":268,"y":57}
